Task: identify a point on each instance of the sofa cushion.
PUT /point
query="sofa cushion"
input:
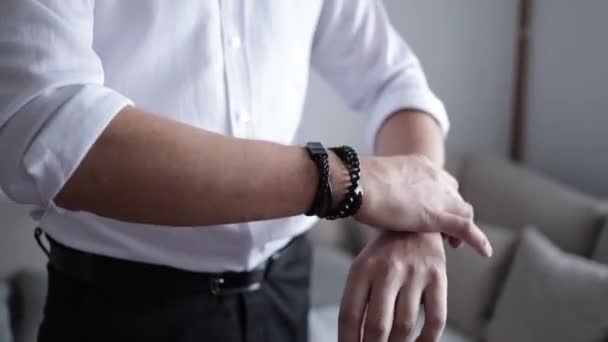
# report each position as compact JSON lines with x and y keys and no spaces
{"x":513,"y":196}
{"x":474,"y":282}
{"x":29,"y":293}
{"x":550,"y":295}
{"x":601,"y":248}
{"x":5,"y":314}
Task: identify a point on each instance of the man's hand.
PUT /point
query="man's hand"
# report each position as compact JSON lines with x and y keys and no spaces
{"x":387,"y":283}
{"x":412,"y":194}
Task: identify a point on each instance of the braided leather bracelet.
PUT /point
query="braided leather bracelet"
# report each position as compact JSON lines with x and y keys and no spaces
{"x":324,"y":196}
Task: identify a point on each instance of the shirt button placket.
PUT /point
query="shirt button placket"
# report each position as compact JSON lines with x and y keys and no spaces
{"x":236,"y":73}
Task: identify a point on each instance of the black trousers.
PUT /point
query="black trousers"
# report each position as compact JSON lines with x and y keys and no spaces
{"x":128,"y":310}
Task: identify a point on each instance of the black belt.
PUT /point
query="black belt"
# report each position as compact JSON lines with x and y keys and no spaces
{"x":116,"y":273}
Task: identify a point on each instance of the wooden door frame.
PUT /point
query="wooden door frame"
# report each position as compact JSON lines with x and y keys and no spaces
{"x":520,"y":84}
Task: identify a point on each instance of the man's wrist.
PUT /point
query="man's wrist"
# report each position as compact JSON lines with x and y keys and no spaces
{"x":339,"y":193}
{"x":339,"y":179}
{"x":409,"y":132}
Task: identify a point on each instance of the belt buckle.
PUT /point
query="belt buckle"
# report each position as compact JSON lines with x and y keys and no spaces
{"x":217,"y":290}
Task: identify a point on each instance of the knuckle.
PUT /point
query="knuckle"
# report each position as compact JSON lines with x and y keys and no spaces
{"x":357,"y":266}
{"x":422,"y":159}
{"x":376,"y":329}
{"x":434,"y":266}
{"x":448,"y":177}
{"x":454,"y":181}
{"x":348,"y":318}
{"x":436,"y":273}
{"x":413,"y":269}
{"x":470,"y":209}
{"x":404,"y":327}
{"x":466,"y":228}
{"x":361,"y":265}
{"x":372,"y":263}
{"x":426,"y":160}
{"x":427,"y":217}
{"x":436,"y":322}
{"x":454,"y":197}
{"x":392,"y":265}
{"x":433,"y":173}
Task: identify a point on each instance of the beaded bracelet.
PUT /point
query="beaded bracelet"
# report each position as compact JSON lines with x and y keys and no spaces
{"x":354,"y":196}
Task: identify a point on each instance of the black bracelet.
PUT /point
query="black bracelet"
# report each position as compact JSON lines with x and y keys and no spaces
{"x":324,"y":196}
{"x":354,"y":196}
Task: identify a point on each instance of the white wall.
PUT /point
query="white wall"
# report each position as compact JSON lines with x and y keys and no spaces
{"x":467,"y":49}
{"x":568,"y":126}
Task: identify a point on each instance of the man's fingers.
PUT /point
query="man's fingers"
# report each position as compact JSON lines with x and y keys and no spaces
{"x":406,"y":311}
{"x":381,"y":308}
{"x":463,"y":229}
{"x":435,"y":309}
{"x":352,"y":307}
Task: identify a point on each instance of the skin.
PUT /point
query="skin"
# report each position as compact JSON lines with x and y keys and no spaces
{"x":398,"y":271}
{"x":149,"y":169}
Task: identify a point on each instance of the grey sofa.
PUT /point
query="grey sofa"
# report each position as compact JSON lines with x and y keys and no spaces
{"x":508,"y":200}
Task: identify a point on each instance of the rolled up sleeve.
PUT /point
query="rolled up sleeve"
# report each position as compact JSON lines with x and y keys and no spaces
{"x":53,"y":102}
{"x":359,"y":52}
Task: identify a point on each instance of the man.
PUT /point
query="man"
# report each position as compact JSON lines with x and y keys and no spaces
{"x":153,"y":137}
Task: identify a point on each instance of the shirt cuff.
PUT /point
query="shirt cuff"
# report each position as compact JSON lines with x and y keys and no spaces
{"x":62,"y":144}
{"x":421,"y":100}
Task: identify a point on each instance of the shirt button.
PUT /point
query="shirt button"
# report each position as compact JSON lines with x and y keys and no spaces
{"x":244,"y":117}
{"x":234,"y":42}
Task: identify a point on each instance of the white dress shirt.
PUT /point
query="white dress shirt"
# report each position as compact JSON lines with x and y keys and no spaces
{"x":237,"y":67}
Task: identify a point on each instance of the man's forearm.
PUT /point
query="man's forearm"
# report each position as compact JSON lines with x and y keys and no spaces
{"x":148,"y":169}
{"x":411,"y":132}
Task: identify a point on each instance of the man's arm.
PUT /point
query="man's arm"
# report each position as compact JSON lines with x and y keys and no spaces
{"x":361,"y":54}
{"x":416,"y":262}
{"x":148,"y":169}
{"x":411,"y":132}
{"x":67,"y":139}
